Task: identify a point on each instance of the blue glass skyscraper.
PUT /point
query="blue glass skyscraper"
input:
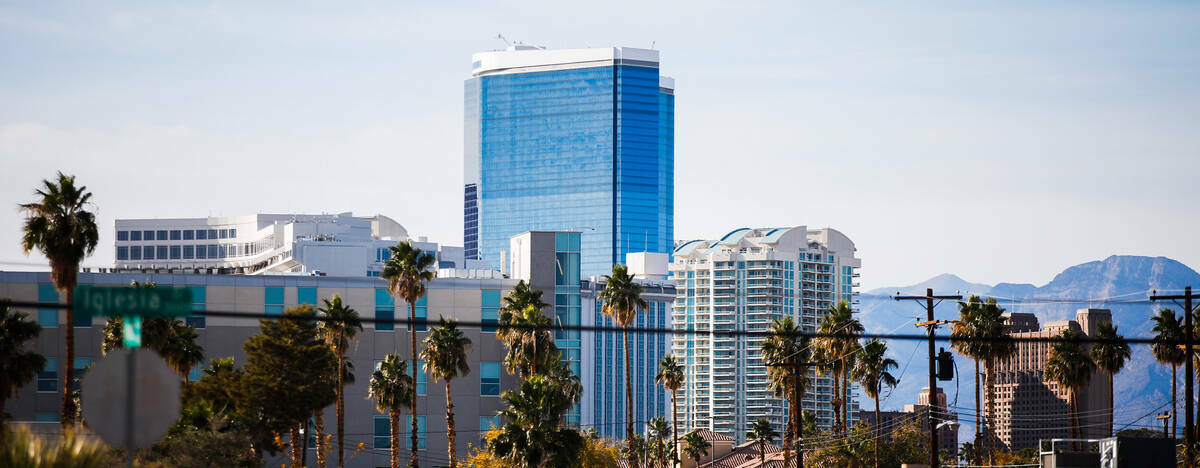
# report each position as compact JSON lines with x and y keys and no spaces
{"x":575,"y":139}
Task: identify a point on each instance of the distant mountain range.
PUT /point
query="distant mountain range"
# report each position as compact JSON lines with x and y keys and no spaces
{"x":1116,"y":277}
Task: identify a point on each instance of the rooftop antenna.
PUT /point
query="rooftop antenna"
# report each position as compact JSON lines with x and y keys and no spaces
{"x":652,"y":44}
{"x":507,"y":43}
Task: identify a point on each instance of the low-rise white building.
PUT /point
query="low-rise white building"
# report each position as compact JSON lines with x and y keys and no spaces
{"x":325,"y":244}
{"x":743,"y":281}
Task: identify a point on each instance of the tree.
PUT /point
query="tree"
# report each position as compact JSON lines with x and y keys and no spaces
{"x":1168,"y":333}
{"x":391,"y":387}
{"x":694,"y":446}
{"x":406,"y":271}
{"x":622,"y":298}
{"x":340,"y":327}
{"x":960,"y":333}
{"x":59,"y":225}
{"x":173,"y":340}
{"x":521,"y":297}
{"x":531,"y":435}
{"x":873,"y":372}
{"x":785,"y":353}
{"x":1068,"y":365}
{"x":839,"y":353}
{"x":984,"y":334}
{"x":530,"y":343}
{"x":445,"y":356}
{"x":670,"y":376}
{"x":289,"y":373}
{"x":762,"y":432}
{"x":1110,"y":355}
{"x":597,"y":453}
{"x":658,"y":428}
{"x":17,"y":366}
{"x":635,"y":449}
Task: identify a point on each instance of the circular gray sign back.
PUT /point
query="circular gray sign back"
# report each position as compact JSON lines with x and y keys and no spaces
{"x":155,"y":400}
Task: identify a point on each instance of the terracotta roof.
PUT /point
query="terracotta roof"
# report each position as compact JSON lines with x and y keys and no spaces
{"x":773,"y":460}
{"x":744,"y":456}
{"x":712,"y":436}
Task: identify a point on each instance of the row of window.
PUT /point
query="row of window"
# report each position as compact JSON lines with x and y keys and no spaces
{"x":176,"y":234}
{"x":382,"y":433}
{"x":184,"y":252}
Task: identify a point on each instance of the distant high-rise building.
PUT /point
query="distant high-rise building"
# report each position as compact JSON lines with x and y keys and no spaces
{"x":743,"y":281}
{"x":1028,"y":407}
{"x":572,"y":139}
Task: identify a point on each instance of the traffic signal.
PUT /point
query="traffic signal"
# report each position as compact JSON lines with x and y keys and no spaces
{"x":945,"y":365}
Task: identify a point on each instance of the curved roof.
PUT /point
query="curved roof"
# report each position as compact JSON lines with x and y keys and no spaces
{"x":773,"y":235}
{"x":733,"y":237}
{"x":688,"y":247}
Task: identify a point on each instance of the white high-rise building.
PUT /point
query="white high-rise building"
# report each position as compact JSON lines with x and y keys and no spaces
{"x":743,"y":281}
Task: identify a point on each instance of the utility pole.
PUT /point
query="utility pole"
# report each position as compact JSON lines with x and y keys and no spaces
{"x":1165,"y":417}
{"x":932,"y":325}
{"x":1189,"y":435}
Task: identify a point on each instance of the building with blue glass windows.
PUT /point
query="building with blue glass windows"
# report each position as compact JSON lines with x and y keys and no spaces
{"x":572,"y":139}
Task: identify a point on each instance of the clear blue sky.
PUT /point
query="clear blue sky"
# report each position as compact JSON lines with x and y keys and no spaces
{"x":1000,"y":142}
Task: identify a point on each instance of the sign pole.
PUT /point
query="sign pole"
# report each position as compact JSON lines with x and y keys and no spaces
{"x":130,"y":378}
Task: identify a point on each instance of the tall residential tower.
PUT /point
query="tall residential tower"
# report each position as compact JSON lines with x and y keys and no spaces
{"x":743,"y":281}
{"x":573,"y":139}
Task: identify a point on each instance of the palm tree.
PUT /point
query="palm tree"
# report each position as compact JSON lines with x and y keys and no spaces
{"x":873,"y":372}
{"x":530,"y":343}
{"x":340,"y":327}
{"x":59,"y":225}
{"x":984,"y":334}
{"x":1168,"y":333}
{"x":658,"y":428}
{"x":761,"y":431}
{"x":670,"y":376}
{"x":960,"y":332}
{"x":695,"y":446}
{"x":406,"y":271}
{"x":839,"y":353}
{"x":17,"y":366}
{"x":635,"y":449}
{"x":445,"y":356}
{"x":1068,"y":365}
{"x":785,"y":353}
{"x":531,"y":435}
{"x":519,"y":298}
{"x":392,"y":389}
{"x":173,"y":340}
{"x":622,"y":297}
{"x":1110,"y":355}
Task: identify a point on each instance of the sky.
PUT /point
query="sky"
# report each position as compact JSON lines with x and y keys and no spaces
{"x":1001,"y":142}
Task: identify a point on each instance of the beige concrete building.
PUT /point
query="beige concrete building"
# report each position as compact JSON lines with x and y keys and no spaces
{"x":1028,"y":407}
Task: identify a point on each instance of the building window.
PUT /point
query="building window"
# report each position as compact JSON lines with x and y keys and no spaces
{"x":420,"y":312}
{"x":175,"y":252}
{"x":212,"y":251}
{"x":199,"y":298}
{"x":420,"y":432}
{"x":47,"y":379}
{"x":383,"y":433}
{"x":46,"y":416}
{"x":487,"y":423}
{"x":176,"y":234}
{"x":201,"y":234}
{"x":189,"y":252}
{"x":161,"y":252}
{"x":212,"y":234}
{"x":489,"y":309}
{"x":422,"y":378}
{"x":201,"y":252}
{"x":162,"y":235}
{"x":273,"y":301}
{"x":135,"y":253}
{"x":122,"y":253}
{"x":306,"y":296}
{"x":189,"y":234}
{"x":223,"y":234}
{"x":122,"y":235}
{"x":81,"y":367}
{"x":385,"y":310}
{"x":135,"y":235}
{"x":232,"y":233}
{"x":489,"y":378}
{"x":148,"y":235}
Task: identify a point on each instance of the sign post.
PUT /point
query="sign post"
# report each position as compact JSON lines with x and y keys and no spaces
{"x":120,"y":376}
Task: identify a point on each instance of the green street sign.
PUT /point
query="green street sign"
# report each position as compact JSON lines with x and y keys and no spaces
{"x":127,"y":301}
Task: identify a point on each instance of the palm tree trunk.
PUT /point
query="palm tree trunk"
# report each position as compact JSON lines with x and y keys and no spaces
{"x":319,"y":429}
{"x":412,"y":339}
{"x":798,"y":418}
{"x":450,"y":427}
{"x":341,"y":410}
{"x":394,"y":423}
{"x":296,"y":441}
{"x":1110,"y":405}
{"x":876,"y":432}
{"x":837,"y":396}
{"x":991,"y":408}
{"x":628,"y":398}
{"x":1074,"y":407}
{"x":674,"y":428}
{"x":762,"y":453}
{"x":978,"y":448}
{"x":68,"y":406}
{"x":846,"y":401}
{"x":787,"y":430}
{"x":1174,"y":405}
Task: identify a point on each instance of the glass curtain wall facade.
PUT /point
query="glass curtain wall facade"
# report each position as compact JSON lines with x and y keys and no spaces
{"x":587,"y":148}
